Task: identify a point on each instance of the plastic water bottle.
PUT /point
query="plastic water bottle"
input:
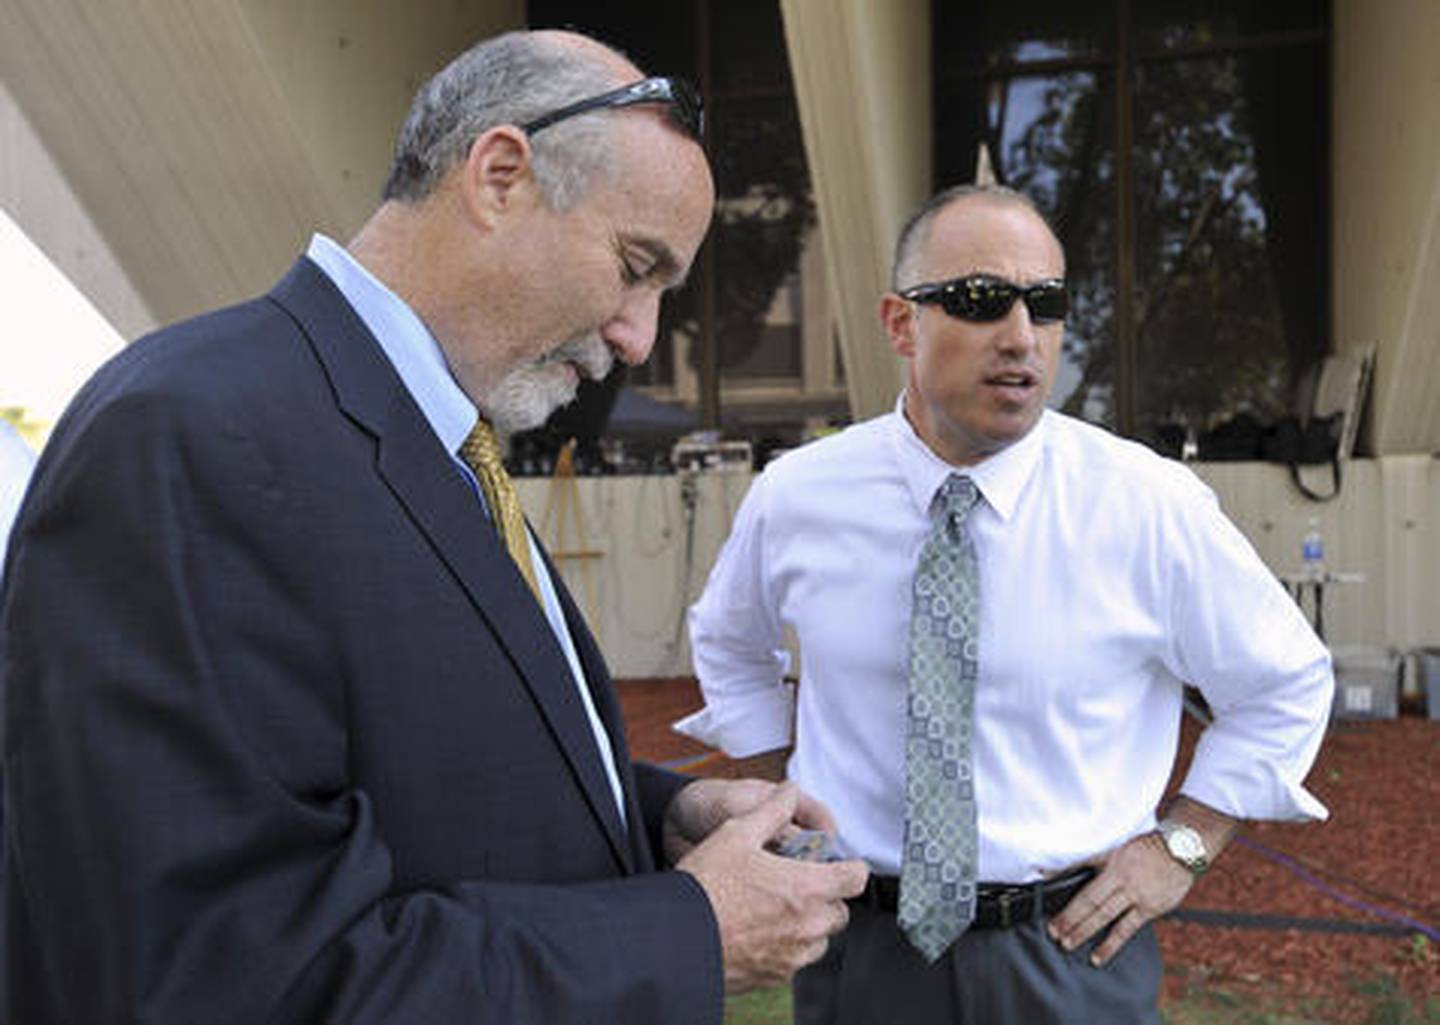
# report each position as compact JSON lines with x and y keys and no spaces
{"x":1312,"y":551}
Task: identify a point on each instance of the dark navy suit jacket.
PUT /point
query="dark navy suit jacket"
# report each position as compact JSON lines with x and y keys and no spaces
{"x":286,"y":737}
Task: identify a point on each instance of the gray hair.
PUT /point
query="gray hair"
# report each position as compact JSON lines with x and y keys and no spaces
{"x":511,"y":79}
{"x":917,"y":229}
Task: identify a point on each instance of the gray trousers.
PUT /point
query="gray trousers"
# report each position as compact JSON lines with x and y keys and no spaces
{"x":1018,"y":976}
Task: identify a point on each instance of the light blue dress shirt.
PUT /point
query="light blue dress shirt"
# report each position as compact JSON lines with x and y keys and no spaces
{"x":16,"y":463}
{"x":418,"y":359}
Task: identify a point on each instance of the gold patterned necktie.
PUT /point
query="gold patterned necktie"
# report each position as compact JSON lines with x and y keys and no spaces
{"x":481,"y":452}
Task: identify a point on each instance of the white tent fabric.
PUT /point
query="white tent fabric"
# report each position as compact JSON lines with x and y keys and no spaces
{"x":51,"y":337}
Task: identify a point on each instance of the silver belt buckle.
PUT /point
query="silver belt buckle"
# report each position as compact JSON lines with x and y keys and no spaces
{"x":1003,"y":899}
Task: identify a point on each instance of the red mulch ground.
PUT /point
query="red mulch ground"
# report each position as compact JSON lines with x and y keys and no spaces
{"x":1381,"y":846}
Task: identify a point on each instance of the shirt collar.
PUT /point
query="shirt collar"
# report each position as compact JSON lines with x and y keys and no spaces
{"x":407,"y":343}
{"x":1000,"y":478}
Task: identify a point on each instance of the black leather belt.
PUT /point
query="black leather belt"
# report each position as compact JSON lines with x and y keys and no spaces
{"x":997,"y":905}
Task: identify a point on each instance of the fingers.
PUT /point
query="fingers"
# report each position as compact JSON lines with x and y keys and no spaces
{"x":1126,"y":926}
{"x":705,"y":805}
{"x":812,"y":813}
{"x":767,"y":819}
{"x":1094,"y":907}
{"x":775,"y":914}
{"x":846,"y":878}
{"x":814,"y":911}
{"x":1138,"y":881}
{"x":1099,"y":905}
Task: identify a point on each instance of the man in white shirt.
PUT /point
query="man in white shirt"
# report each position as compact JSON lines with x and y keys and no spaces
{"x":1107,"y":579}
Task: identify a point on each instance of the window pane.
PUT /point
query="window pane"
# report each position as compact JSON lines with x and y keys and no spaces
{"x":747,"y":51}
{"x":1056,"y":147}
{"x":658,"y":35}
{"x":1228,"y":165}
{"x":973,"y":36}
{"x":762,"y":218}
{"x":1164,"y":24}
{"x":1052,"y":138}
{"x":1230,"y":241}
{"x":776,"y":352}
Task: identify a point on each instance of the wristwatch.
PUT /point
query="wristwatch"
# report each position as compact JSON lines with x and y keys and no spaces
{"x":1184,"y":845}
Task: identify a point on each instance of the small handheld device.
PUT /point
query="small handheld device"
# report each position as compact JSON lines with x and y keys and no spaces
{"x":806,"y":845}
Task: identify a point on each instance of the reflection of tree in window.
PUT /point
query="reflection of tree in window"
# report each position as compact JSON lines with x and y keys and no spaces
{"x":764,"y":214}
{"x":1224,"y":106}
{"x":1062,"y":157}
{"x":1207,"y":315}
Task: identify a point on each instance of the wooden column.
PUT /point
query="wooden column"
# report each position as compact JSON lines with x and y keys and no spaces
{"x":208,"y":138}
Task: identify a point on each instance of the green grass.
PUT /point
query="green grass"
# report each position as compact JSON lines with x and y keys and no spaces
{"x":1387,"y":1006}
{"x":1221,"y":1008}
{"x":763,"y":1007}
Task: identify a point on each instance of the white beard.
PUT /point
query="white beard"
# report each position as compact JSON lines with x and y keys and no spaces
{"x":525,"y":397}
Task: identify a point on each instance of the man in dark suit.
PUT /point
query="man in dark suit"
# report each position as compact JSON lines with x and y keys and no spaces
{"x":291,"y":735}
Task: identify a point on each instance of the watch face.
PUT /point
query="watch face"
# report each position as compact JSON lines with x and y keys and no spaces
{"x":1186,"y":845}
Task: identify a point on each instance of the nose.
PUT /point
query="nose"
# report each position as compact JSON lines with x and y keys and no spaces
{"x":1017,"y":333}
{"x":631,"y":333}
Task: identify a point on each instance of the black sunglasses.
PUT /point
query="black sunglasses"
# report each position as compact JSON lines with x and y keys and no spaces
{"x":983,"y":298}
{"x":686,"y":108}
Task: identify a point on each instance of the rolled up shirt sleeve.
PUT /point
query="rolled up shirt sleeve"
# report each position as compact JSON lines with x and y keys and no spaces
{"x":1266,"y":676}
{"x":738,"y":645}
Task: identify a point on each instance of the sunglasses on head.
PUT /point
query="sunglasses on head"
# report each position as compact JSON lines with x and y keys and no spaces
{"x":983,"y":298}
{"x":686,"y":108}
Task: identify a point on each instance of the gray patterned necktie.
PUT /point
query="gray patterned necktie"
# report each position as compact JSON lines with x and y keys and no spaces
{"x":938,"y":866}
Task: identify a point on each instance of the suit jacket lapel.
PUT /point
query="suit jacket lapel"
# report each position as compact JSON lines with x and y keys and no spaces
{"x":414,"y":466}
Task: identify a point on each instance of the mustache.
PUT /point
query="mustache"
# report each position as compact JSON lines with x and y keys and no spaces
{"x":588,"y":352}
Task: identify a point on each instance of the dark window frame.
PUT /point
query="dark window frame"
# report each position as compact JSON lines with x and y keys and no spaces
{"x":1121,"y":61}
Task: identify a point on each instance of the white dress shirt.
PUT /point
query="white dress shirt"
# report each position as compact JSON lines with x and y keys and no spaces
{"x":420,"y":363}
{"x":1108,"y":576}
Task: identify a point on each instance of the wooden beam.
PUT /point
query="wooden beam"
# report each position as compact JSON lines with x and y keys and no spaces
{"x":207,"y":139}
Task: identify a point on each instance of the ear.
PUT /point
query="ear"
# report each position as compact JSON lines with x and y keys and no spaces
{"x":898,"y":318}
{"x":497,"y":174}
